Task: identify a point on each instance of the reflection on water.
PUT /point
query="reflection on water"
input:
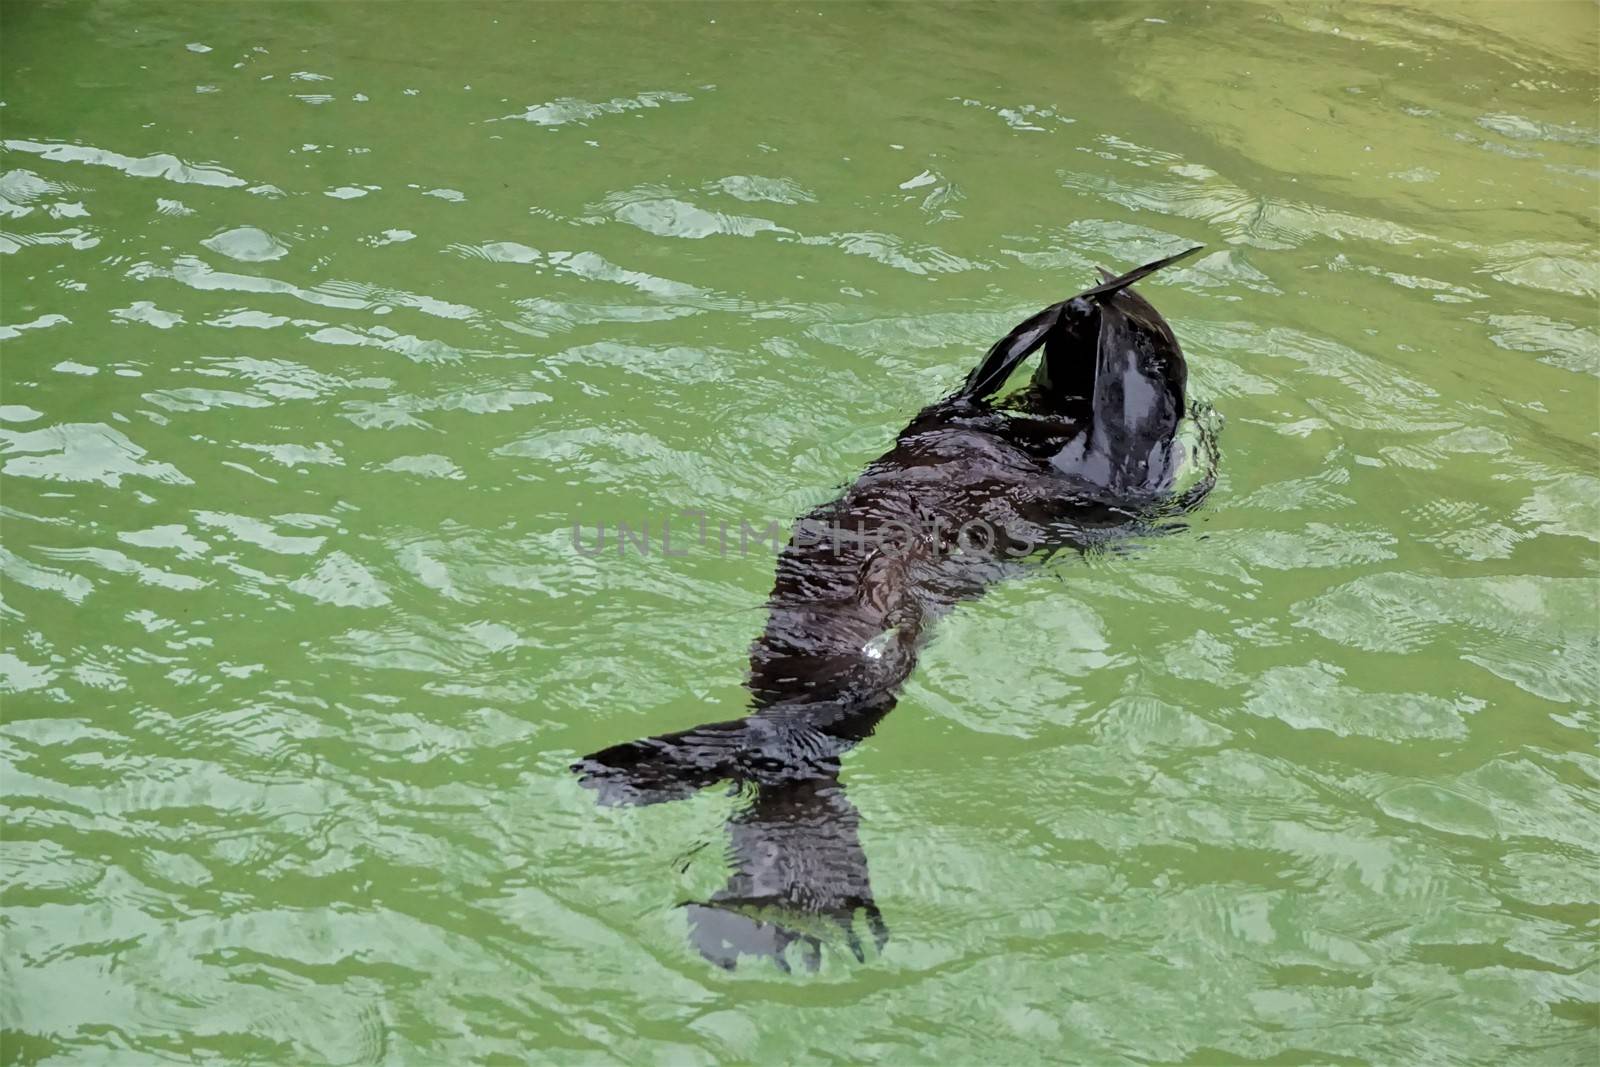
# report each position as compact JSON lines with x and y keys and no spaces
{"x":322,"y":325}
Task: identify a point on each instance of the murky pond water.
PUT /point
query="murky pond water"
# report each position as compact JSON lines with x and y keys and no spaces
{"x":324,"y":324}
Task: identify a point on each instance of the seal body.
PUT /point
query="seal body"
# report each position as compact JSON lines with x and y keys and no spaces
{"x":968,"y":492}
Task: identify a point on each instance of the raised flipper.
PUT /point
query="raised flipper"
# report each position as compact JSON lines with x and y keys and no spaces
{"x":996,"y":366}
{"x":998,"y":363}
{"x":1122,"y":281}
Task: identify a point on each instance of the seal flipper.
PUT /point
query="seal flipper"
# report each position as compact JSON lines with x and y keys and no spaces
{"x":1122,"y":281}
{"x":799,"y":877}
{"x":1026,"y":337}
{"x":998,"y":363}
{"x":667,"y":767}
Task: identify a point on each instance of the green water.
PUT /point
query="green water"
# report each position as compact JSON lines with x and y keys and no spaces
{"x":325,"y":323}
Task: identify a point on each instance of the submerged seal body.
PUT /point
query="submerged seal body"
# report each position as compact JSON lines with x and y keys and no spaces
{"x":1086,"y":453}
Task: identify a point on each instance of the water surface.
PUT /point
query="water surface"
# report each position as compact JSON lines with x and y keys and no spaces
{"x":323,"y":324}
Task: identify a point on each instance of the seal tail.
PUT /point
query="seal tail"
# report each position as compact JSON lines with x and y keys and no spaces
{"x":666,"y":767}
{"x":1025,"y":338}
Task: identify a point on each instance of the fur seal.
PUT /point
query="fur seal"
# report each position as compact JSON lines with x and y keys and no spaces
{"x":1085,"y":454}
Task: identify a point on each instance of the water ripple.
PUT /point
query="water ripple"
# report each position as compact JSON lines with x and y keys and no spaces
{"x":298,"y":643}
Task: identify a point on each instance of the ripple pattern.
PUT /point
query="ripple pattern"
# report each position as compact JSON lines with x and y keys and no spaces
{"x":323,"y":335}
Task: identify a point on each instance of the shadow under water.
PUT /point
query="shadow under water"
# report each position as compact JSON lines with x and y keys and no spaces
{"x":1087,"y":454}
